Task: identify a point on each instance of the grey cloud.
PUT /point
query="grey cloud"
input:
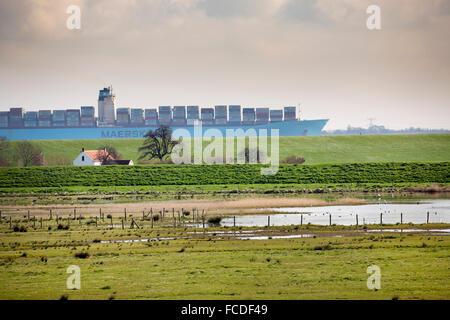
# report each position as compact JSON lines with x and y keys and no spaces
{"x":232,"y":8}
{"x":300,"y":11}
{"x":12,"y":17}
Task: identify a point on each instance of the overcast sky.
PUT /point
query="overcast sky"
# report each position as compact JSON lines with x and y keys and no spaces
{"x":273,"y":53}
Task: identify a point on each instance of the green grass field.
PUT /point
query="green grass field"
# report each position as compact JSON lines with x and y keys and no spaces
{"x":316,"y":150}
{"x":33,"y":265}
{"x":191,"y":263}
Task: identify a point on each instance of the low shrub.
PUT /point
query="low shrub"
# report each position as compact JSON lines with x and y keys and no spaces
{"x":215,"y":220}
{"x":293,"y":160}
{"x":20,"y":229}
{"x":323,"y":247}
{"x":82,"y":255}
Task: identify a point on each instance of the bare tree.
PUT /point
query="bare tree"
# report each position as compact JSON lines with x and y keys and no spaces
{"x":28,"y":154}
{"x":107,"y":153}
{"x":252,"y":155}
{"x":4,"y":150}
{"x":158,"y":144}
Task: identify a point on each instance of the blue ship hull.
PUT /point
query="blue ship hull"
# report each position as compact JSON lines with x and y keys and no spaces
{"x":286,"y":129}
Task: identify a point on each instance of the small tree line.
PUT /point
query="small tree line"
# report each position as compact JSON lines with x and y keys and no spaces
{"x":23,"y":153}
{"x":27,"y":154}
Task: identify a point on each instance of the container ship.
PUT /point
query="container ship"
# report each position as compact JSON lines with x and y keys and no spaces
{"x":126,"y":123}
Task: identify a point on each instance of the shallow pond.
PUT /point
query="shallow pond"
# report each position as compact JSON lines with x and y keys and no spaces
{"x":436,"y":211}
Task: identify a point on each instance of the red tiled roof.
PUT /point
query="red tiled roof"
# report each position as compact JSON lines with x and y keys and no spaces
{"x":97,"y":155}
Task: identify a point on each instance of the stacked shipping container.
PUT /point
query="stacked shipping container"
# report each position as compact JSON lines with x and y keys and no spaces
{"x":234,"y":115}
{"x":151,"y":117}
{"x":192,"y":115}
{"x":123,"y":116}
{"x":262,"y":115}
{"x":59,"y":118}
{"x":73,"y":118}
{"x":15,"y":119}
{"x":179,"y":116}
{"x":221,"y":115}
{"x":248,"y":116}
{"x":290,"y":113}
{"x":207,"y":116}
{"x":276,"y":115}
{"x":4,"y":115}
{"x":137,"y":117}
{"x":30,"y":119}
{"x":45,"y":118}
{"x":165,"y":115}
{"x":87,"y":116}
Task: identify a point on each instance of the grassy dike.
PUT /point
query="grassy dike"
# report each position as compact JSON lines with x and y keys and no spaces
{"x":316,"y":150}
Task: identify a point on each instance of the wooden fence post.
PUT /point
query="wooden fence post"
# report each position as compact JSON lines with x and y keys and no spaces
{"x":125,"y":213}
{"x":123,"y":226}
{"x":173,"y":218}
{"x":151,"y":217}
{"x":74,"y":214}
{"x":268,"y":221}
{"x":68,"y":221}
{"x":203,"y":218}
{"x":301,"y":219}
{"x":50,"y":214}
{"x":96,"y":221}
{"x":41,"y":222}
{"x":330,"y":219}
{"x":234,"y":221}
{"x":356,"y":219}
{"x":381,"y":218}
{"x":111,"y":218}
{"x":401,"y":218}
{"x":0,"y":215}
{"x":28,"y":215}
{"x":428,"y":217}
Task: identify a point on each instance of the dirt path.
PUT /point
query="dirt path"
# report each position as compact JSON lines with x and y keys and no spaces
{"x":210,"y":206}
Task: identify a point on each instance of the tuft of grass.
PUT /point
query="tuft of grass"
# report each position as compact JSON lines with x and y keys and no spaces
{"x":323,"y":247}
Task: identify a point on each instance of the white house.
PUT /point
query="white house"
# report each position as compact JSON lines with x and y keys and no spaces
{"x":96,"y":157}
{"x":89,"y":158}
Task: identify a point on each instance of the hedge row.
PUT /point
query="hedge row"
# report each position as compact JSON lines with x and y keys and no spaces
{"x":223,"y":174}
